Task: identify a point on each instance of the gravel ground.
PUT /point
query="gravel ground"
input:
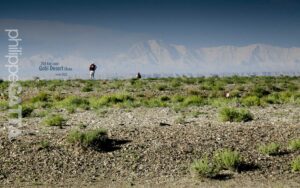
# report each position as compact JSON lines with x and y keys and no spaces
{"x":152,"y":147}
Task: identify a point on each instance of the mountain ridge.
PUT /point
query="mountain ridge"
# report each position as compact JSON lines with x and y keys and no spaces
{"x":158,"y":56}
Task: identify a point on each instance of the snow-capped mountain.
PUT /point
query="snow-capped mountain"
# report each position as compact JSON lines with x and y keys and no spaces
{"x":158,"y":57}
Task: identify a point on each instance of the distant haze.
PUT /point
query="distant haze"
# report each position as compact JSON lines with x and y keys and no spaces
{"x":154,"y":56}
{"x":158,"y":57}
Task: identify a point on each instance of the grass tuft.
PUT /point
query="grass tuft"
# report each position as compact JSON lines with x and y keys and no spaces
{"x":193,"y":100}
{"x":251,"y":101}
{"x":294,"y":145}
{"x":71,"y":103}
{"x":235,"y":115}
{"x":3,"y":105}
{"x":55,"y":120}
{"x":269,"y":149}
{"x":91,"y":138}
{"x":87,"y":89}
{"x":296,"y":164}
{"x":204,"y":168}
{"x":25,"y":112}
{"x":41,"y":97}
{"x":44,"y":144}
{"x":227,"y":159}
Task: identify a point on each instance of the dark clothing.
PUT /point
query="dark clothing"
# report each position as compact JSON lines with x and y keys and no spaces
{"x":93,"y":67}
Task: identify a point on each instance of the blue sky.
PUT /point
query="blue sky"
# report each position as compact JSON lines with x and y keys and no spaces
{"x":191,"y":22}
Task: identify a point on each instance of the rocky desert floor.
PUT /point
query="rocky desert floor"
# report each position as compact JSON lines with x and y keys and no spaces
{"x":151,"y":147}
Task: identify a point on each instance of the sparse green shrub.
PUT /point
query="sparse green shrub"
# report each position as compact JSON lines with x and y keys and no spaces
{"x":91,"y":138}
{"x":219,"y":102}
{"x":206,"y":86}
{"x":136,"y":83}
{"x":15,"y":114}
{"x":99,"y":102}
{"x":193,"y":100}
{"x":175,"y":83}
{"x":188,"y":80}
{"x":269,"y":149}
{"x":41,"y":97}
{"x":165,"y":98}
{"x":235,"y":115}
{"x":204,"y":168}
{"x":193,"y":92}
{"x":42,"y":113}
{"x":58,"y":96}
{"x":71,"y":109}
{"x":3,"y":105}
{"x":295,"y":98}
{"x":215,"y":94}
{"x":260,"y":91}
{"x":218,"y":87}
{"x":44,"y":144}
{"x":51,"y":82}
{"x":102,"y":112}
{"x":235,"y":93}
{"x":292,"y":87}
{"x":109,"y":100}
{"x":154,"y":103}
{"x":285,"y":97}
{"x":251,"y":101}
{"x":275,"y":88}
{"x":294,"y":145}
{"x":119,"y":98}
{"x":55,"y":120}
{"x":82,"y":126}
{"x":273,"y":99}
{"x":239,"y":88}
{"x":296,"y":164}
{"x":75,"y":136}
{"x":76,"y":101}
{"x":51,"y":87}
{"x":238,"y":79}
{"x":227,"y":159}
{"x":133,"y":81}
{"x":162,"y":87}
{"x":116,"y":84}
{"x":73,"y":102}
{"x":26,"y":111}
{"x":141,"y":95}
{"x":87,"y":89}
{"x":177,"y":98}
{"x":3,"y":86}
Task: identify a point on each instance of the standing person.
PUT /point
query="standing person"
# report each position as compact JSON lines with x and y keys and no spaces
{"x":93,"y":68}
{"x":138,"y":76}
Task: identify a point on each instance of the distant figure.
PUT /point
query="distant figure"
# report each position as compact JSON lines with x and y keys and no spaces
{"x":93,"y":68}
{"x":138,"y":76}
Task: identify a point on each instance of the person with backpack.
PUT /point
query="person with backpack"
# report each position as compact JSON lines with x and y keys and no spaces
{"x":92,"y":69}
